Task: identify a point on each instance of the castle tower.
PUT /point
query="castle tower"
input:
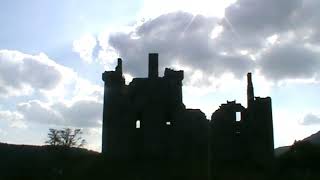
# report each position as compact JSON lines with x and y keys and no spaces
{"x":113,"y":88}
{"x":262,"y":131}
{"x":259,"y":126}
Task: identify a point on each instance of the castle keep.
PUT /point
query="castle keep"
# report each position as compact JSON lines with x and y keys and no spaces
{"x":147,"y":120}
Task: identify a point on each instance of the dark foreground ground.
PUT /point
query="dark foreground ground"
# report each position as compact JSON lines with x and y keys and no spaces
{"x":301,"y":161}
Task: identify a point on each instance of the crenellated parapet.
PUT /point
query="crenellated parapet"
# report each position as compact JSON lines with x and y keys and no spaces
{"x":173,"y":75}
{"x":114,"y":78}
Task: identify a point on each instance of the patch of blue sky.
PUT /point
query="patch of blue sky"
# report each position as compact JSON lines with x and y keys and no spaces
{"x":47,"y":26}
{"x":304,"y":96}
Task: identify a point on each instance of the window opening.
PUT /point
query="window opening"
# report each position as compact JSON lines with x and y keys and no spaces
{"x":238,"y":116}
{"x":138,"y":124}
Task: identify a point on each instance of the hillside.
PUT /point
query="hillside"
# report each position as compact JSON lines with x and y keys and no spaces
{"x":313,"y":139}
{"x":299,"y":161}
{"x":42,"y":162}
{"x":281,"y":150}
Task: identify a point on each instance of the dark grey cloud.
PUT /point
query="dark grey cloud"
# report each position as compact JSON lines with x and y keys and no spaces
{"x":178,"y":37}
{"x":307,"y":21}
{"x":36,"y":111}
{"x":81,"y":113}
{"x":311,"y":119}
{"x":248,"y":22}
{"x":18,"y":70}
{"x":289,"y":61}
{"x":308,"y":13}
{"x":260,"y":16}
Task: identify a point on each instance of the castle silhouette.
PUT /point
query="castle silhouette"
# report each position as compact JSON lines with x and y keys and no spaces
{"x":146,"y":121}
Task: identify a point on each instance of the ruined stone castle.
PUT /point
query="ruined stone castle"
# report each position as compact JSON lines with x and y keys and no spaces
{"x":147,"y":120}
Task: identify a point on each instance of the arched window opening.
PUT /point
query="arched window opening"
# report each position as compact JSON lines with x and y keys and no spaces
{"x":138,"y":124}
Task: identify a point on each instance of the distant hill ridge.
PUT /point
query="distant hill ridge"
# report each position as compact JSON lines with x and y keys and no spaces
{"x":5,"y":147}
{"x":314,"y":139}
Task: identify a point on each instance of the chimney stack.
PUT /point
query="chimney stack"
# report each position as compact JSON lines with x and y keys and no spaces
{"x":119,"y":66}
{"x":153,"y":65}
{"x":250,"y":92}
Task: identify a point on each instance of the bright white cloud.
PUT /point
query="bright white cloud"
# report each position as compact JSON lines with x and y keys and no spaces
{"x":216,"y":32}
{"x":14,"y":119}
{"x":85,"y":47}
{"x":84,"y":89}
{"x":107,"y":54}
{"x":272,"y":39}
{"x":127,"y":77}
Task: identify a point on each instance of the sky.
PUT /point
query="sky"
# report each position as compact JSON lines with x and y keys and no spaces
{"x":52,"y":55}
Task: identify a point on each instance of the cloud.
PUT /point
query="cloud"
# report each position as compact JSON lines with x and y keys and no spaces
{"x":292,"y":24}
{"x":307,"y":16}
{"x":85,"y":47}
{"x":81,"y":108}
{"x":249,"y":22}
{"x":249,"y":16}
{"x":39,"y":112}
{"x":205,"y":7}
{"x":81,"y":113}
{"x":268,"y":36}
{"x":311,"y":119}
{"x":255,"y":25}
{"x":14,"y":119}
{"x":277,"y":38}
{"x":178,"y":38}
{"x":37,"y":75}
{"x":84,"y":89}
{"x":62,"y":98}
{"x":289,"y":61}
{"x":21,"y":74}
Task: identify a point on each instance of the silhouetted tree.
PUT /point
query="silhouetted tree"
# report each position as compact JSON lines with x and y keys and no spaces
{"x":66,"y":137}
{"x":53,"y":137}
{"x":72,"y":138}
